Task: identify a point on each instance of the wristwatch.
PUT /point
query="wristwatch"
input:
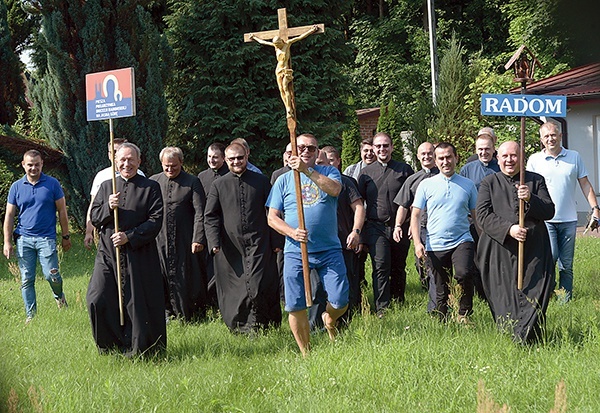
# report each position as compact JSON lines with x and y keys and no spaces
{"x":310,"y":171}
{"x":357,"y":231}
{"x":596,"y":207}
{"x":66,"y":237}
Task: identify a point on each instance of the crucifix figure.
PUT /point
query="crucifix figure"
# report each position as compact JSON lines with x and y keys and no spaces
{"x":281,"y":41}
{"x":282,"y":44}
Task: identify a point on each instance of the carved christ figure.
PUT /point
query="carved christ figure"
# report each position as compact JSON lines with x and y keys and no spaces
{"x":283,"y":70}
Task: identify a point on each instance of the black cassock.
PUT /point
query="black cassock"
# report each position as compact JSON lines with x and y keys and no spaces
{"x":521,"y":312}
{"x":140,"y":217}
{"x":246,"y":276}
{"x":184,"y":274}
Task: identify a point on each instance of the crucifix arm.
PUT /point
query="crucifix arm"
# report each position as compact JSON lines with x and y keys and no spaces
{"x":259,"y":40}
{"x":304,"y":35}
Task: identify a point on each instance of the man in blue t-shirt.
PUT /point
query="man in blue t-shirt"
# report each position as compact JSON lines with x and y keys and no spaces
{"x":36,"y":198}
{"x":321,"y":186}
{"x":448,"y":198}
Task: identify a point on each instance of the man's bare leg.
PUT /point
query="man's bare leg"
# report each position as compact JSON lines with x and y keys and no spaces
{"x":300,"y":328}
{"x":330,"y":317}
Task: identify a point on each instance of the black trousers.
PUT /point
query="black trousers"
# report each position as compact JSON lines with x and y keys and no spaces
{"x":388,"y":258}
{"x":442,"y":263}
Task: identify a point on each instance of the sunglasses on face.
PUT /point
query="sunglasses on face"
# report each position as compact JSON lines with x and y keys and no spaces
{"x":311,"y":148}
{"x":236,"y":158}
{"x":382,"y":145}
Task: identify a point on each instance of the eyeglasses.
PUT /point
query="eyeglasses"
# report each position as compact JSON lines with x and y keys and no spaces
{"x":311,"y":148}
{"x":236,"y":158}
{"x":382,"y":145}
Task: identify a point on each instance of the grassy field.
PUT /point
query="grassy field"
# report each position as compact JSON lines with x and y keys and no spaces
{"x":406,"y":362}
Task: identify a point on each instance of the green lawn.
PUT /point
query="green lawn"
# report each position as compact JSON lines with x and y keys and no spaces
{"x":407,"y":362}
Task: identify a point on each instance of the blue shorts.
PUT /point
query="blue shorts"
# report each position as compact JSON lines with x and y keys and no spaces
{"x":332,"y":272}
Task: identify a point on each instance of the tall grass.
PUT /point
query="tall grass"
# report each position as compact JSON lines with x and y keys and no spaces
{"x":406,"y":362}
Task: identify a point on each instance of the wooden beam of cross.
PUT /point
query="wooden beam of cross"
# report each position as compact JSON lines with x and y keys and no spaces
{"x":281,"y":40}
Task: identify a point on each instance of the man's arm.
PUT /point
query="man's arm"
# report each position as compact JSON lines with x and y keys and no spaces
{"x":329,"y":186}
{"x":89,"y":228}
{"x":9,"y":222}
{"x":63,"y":219}
{"x":400,"y":218}
{"x":415,"y":222}
{"x":278,"y":224}
{"x":590,"y":194}
{"x":352,"y":242}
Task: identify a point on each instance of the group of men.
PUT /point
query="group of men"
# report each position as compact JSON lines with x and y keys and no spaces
{"x":230,"y":237}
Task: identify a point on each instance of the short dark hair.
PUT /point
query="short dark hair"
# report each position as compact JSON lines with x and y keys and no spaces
{"x":366,"y":141}
{"x":32,"y":153}
{"x":217,"y":146}
{"x":446,"y":145}
{"x":330,"y":149}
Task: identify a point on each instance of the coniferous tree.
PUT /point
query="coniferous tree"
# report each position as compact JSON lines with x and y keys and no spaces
{"x":12,"y":88}
{"x":78,"y":38}
{"x":224,"y":88}
{"x":451,"y":120}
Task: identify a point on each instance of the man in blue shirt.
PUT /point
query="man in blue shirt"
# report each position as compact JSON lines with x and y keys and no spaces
{"x":563,"y":169}
{"x":486,"y":164}
{"x":36,"y":198}
{"x":448,"y":198}
{"x":321,"y":186}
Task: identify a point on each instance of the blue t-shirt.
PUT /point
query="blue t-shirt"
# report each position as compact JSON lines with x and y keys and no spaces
{"x":562,"y":176}
{"x":448,"y":202}
{"x":320,"y":210}
{"x":36,"y":205}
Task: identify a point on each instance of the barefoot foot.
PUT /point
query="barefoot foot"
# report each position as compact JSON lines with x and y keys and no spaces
{"x":330,"y":325}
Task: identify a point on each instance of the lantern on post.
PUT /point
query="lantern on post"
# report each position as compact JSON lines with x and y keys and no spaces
{"x":523,"y":62}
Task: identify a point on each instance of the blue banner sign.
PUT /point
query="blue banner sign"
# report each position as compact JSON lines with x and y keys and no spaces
{"x":524,"y":105}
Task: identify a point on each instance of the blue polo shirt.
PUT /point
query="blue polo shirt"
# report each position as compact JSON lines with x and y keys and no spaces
{"x":562,"y":176}
{"x":448,"y":202}
{"x":36,"y":205}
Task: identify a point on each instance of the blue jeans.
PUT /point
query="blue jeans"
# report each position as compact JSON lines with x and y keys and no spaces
{"x":29,"y":250}
{"x":562,"y":242}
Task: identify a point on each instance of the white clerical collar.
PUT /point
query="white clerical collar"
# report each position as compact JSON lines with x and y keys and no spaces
{"x":427,"y":170}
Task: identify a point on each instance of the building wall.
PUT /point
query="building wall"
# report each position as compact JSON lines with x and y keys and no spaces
{"x":583,"y":126}
{"x":368,"y":125}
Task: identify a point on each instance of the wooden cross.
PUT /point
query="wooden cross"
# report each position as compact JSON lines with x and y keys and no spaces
{"x":284,"y":32}
{"x":281,"y":40}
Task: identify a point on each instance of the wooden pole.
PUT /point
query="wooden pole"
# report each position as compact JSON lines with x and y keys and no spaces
{"x":291,"y":122}
{"x":116,"y":216}
{"x":521,"y":252}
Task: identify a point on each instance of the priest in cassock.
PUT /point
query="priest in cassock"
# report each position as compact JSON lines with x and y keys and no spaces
{"x":243,"y":246}
{"x":140,"y":212}
{"x":521,"y":312}
{"x":181,"y":238}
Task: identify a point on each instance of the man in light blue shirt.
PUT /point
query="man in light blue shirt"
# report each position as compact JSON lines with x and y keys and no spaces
{"x":562,"y":169}
{"x":448,"y":199}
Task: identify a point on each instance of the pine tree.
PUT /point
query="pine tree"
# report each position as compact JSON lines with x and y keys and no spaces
{"x":224,"y":88}
{"x":12,"y":89}
{"x":451,"y":119}
{"x":78,"y":38}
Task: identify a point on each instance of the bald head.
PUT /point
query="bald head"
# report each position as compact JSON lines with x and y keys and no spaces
{"x":508,"y":158}
{"x":425,"y":155}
